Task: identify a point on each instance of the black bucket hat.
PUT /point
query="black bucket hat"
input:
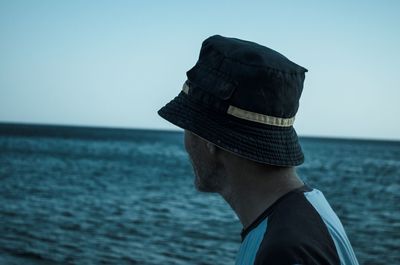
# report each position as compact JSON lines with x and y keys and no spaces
{"x":242,"y":97}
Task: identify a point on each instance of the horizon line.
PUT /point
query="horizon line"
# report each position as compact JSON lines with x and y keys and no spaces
{"x":106,"y":127}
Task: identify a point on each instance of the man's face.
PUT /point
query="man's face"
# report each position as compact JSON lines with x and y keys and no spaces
{"x":204,"y":163}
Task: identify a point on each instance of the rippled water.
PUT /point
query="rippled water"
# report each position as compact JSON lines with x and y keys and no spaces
{"x":128,"y":199}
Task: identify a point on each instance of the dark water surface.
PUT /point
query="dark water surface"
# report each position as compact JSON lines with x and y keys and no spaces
{"x":102,"y":196}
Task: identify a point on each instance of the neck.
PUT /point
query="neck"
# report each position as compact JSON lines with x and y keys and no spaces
{"x":251,"y":191}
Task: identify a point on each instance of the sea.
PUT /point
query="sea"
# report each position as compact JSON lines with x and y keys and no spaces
{"x":86,"y":195}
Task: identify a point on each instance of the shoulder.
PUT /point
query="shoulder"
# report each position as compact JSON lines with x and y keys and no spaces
{"x":296,"y":234}
{"x":280,"y":253}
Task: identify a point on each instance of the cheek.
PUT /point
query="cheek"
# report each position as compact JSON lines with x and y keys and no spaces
{"x":190,"y":150}
{"x":188,"y":147}
{"x":193,"y":154}
{"x":187,"y":142}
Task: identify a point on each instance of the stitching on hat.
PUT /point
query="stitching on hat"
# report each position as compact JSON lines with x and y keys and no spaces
{"x":304,"y":70}
{"x":217,"y":72}
{"x":271,"y":68}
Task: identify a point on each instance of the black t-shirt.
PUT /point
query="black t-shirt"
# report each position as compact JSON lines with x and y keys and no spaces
{"x":299,"y":228}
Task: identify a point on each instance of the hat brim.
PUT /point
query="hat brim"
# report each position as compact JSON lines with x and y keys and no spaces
{"x":262,"y":143}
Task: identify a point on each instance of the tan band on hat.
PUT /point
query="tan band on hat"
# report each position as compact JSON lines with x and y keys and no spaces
{"x":260,"y":118}
{"x":253,"y":116}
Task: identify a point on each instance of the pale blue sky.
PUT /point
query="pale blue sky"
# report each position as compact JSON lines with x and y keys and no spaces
{"x":115,"y":63}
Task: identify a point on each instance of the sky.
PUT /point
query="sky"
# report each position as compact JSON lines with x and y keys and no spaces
{"x":115,"y":63}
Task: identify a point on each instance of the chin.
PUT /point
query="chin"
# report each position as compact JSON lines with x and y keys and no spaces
{"x":203,"y":186}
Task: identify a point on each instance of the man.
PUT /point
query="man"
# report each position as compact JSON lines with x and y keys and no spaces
{"x":237,"y":110}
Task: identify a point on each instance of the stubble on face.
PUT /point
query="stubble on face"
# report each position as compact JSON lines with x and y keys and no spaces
{"x":205,"y":166}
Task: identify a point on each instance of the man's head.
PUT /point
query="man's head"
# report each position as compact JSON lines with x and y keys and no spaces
{"x":241,"y":97}
{"x":216,"y":169}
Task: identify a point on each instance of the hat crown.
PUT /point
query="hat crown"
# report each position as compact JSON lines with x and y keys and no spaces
{"x":249,"y":53}
{"x":249,"y":76}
